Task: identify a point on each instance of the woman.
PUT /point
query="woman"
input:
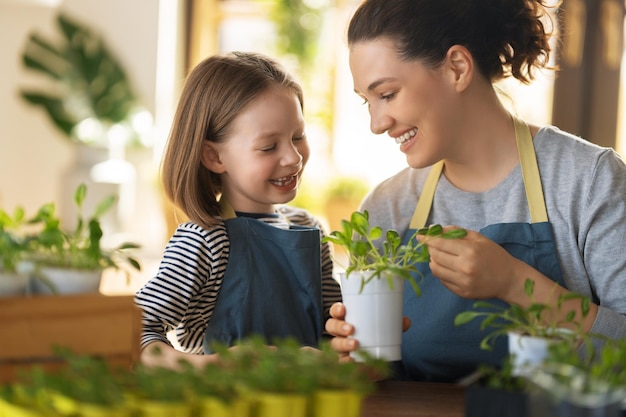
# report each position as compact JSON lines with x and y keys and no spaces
{"x":426,"y":69}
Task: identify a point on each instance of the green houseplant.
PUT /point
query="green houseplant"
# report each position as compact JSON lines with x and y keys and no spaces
{"x":13,"y":245}
{"x":370,"y":249}
{"x":378,"y":266}
{"x":88,"y":91}
{"x":569,"y":383}
{"x":496,"y":391}
{"x":530,"y":329}
{"x":60,"y":254}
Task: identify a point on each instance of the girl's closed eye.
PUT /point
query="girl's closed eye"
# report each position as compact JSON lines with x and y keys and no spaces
{"x":299,"y":138}
{"x":387,"y":97}
{"x":268,"y":148}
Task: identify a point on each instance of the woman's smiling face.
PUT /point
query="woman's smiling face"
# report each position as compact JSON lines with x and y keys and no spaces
{"x":406,"y":99}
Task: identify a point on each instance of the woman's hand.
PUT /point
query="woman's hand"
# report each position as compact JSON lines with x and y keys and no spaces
{"x":475,"y":267}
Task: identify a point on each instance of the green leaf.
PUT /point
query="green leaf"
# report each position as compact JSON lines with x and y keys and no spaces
{"x":80,"y":194}
{"x":529,"y":286}
{"x":454,"y":234}
{"x":55,"y":108}
{"x":466,"y":317}
{"x":435,"y":230}
{"x":104,"y":206}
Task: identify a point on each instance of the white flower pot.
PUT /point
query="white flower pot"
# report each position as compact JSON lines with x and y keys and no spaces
{"x":66,"y":281}
{"x":13,"y":284}
{"x":375,"y":311}
{"x":528,"y":352}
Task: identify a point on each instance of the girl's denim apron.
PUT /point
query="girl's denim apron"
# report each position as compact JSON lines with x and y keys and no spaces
{"x":272,"y":284}
{"x":433,"y":348}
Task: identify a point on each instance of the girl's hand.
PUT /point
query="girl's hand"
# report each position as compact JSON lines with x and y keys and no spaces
{"x":336,"y":326}
{"x":339,"y":328}
{"x":475,"y":267}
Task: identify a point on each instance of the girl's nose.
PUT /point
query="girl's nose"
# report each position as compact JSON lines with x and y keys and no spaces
{"x":292,"y":156}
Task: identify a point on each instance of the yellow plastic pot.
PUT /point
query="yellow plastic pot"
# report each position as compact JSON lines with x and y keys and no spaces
{"x":216,"y":407}
{"x":147,"y":408}
{"x":8,"y":409}
{"x":336,"y":403}
{"x":280,"y":405}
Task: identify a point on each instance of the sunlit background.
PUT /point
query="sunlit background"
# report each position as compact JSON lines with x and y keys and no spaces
{"x":157,"y":41}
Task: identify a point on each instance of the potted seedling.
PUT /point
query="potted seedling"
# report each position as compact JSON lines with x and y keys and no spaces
{"x":161,"y":392}
{"x":373,"y":282}
{"x":495,"y":392}
{"x":220,"y":387}
{"x":530,"y":329}
{"x":341,"y":386}
{"x":13,"y":244}
{"x":281,"y":377}
{"x":569,"y":383}
{"x":72,"y":260}
{"x":85,"y":385}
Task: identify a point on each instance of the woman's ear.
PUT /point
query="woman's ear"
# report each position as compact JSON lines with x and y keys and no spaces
{"x":461,"y":66}
{"x":211,"y":158}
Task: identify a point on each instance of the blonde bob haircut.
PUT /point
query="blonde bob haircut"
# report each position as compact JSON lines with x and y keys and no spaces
{"x":215,"y":92}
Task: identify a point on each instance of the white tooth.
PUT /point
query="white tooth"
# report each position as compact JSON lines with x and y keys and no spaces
{"x":406,"y":136}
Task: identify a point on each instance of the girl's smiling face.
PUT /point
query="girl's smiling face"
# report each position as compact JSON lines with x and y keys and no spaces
{"x":406,"y":99}
{"x":262,"y":160}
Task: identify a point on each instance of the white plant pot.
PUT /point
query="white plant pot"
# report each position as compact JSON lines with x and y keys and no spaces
{"x":66,"y":281}
{"x":13,"y":284}
{"x":375,"y":311}
{"x":528,"y":352}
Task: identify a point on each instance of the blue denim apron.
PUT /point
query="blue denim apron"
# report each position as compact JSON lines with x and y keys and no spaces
{"x":433,"y":348}
{"x":272,"y":284}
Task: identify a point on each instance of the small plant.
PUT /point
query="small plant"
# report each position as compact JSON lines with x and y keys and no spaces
{"x":595,"y":381}
{"x":161,"y":384}
{"x":362,"y":241}
{"x":287,"y":367}
{"x":79,"y":248}
{"x":355,"y":376}
{"x":538,"y":319}
{"x":502,"y":378}
{"x":81,"y":381}
{"x":12,"y":243}
{"x":606,"y":362}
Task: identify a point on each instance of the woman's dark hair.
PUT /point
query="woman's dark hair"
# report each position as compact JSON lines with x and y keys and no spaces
{"x":505,"y":37}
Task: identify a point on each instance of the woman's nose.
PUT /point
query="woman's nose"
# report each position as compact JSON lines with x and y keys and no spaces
{"x":379,"y":122}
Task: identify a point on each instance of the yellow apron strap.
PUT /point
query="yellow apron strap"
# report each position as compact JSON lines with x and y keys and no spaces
{"x":426,"y":197}
{"x":530,"y":172}
{"x":226,"y":210}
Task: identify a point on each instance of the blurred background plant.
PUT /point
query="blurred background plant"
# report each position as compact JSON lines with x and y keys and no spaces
{"x":89,"y":97}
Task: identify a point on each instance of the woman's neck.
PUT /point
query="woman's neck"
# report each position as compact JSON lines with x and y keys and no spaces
{"x":486,"y":150}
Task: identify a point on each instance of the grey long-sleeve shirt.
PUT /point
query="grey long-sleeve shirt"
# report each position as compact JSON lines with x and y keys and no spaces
{"x":585,"y":192}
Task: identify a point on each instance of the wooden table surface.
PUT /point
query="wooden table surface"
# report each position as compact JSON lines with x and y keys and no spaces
{"x":416,"y":399}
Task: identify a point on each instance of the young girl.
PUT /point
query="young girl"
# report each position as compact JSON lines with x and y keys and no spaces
{"x":242,"y":265}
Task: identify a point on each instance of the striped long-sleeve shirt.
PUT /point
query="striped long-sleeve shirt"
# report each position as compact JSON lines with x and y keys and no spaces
{"x":183,"y":293}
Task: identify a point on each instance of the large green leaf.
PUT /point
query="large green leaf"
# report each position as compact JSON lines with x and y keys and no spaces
{"x":86,"y":79}
{"x":55,"y":108}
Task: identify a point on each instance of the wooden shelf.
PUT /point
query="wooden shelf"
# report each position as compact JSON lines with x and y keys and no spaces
{"x":95,"y":324}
